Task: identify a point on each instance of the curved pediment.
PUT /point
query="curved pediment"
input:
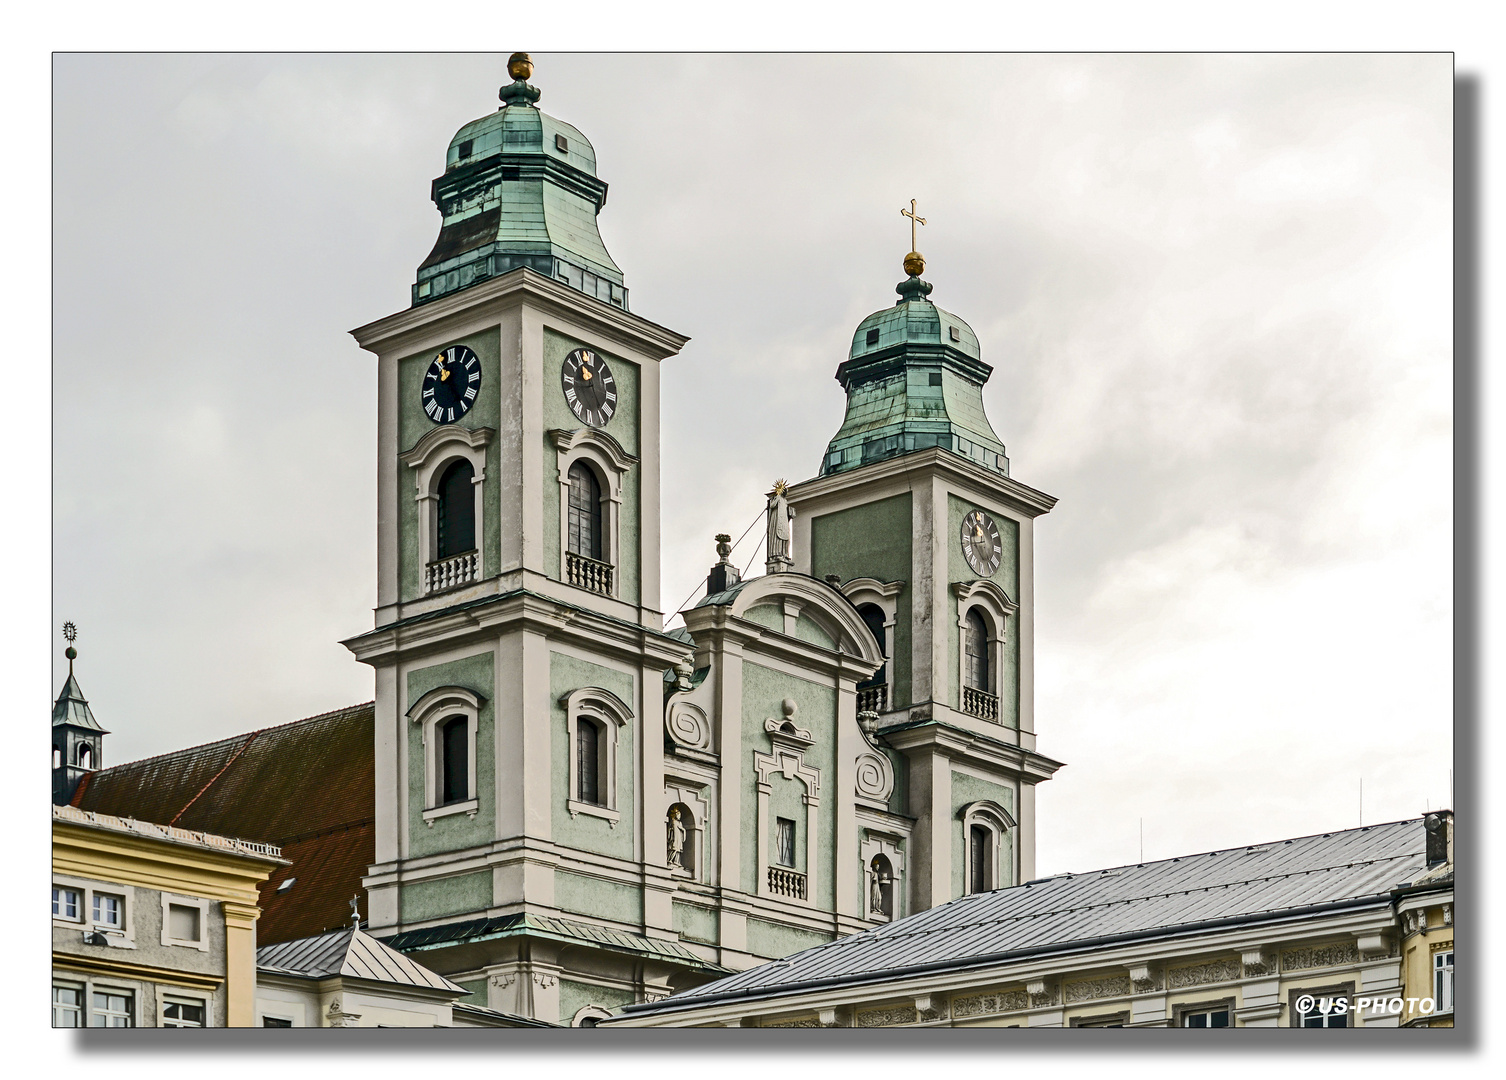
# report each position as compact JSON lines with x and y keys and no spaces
{"x":817,"y":601}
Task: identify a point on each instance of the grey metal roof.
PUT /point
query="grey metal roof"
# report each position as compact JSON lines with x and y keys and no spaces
{"x":351,"y":953}
{"x":1071,"y":911}
{"x":71,"y":708}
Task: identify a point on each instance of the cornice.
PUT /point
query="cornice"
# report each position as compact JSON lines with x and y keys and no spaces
{"x":972,"y":748}
{"x":514,"y":288}
{"x":968,"y":476}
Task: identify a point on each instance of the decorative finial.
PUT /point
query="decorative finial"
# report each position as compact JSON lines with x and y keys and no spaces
{"x":724,"y":547}
{"x":355,"y":914}
{"x":518,"y":92}
{"x":70,"y":632}
{"x":915,"y":263}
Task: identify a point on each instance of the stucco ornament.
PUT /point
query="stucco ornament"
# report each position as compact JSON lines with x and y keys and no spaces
{"x":874,"y":777}
{"x":688,"y":726}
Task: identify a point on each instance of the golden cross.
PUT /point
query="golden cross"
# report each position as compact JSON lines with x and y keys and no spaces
{"x":910,"y":213}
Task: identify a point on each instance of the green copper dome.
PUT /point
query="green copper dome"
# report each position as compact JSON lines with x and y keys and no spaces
{"x":914,"y":380}
{"x":519,"y":189}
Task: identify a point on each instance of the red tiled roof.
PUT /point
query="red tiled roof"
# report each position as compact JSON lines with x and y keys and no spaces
{"x":308,"y":786}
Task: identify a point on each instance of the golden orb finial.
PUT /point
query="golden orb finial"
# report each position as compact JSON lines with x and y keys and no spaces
{"x":915,"y":264}
{"x":520,"y":66}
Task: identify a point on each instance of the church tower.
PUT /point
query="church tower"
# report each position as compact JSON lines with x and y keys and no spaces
{"x":914,"y":516}
{"x":518,"y":643}
{"x":77,"y":738}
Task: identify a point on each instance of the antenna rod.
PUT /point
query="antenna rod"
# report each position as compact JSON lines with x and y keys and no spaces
{"x":1142,"y":839}
{"x":1362,"y":800}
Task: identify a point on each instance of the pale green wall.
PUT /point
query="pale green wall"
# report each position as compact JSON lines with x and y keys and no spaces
{"x":575,"y":996}
{"x":567,"y":673}
{"x":476,"y":991}
{"x":412,"y":425}
{"x":1007,"y":577}
{"x":807,"y":630}
{"x":968,"y":789}
{"x":695,"y":923}
{"x":624,"y":427}
{"x":596,"y":896}
{"x":766,"y":615}
{"x":763,"y":691}
{"x":872,"y":541}
{"x":454,"y":831}
{"x":463,"y":894}
{"x":775,"y":940}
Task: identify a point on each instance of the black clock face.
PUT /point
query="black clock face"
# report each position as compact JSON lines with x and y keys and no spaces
{"x":451,"y":384}
{"x":589,"y":387}
{"x":980,"y":543}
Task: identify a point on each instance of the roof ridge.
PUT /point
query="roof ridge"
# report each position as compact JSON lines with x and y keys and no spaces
{"x":233,"y":738}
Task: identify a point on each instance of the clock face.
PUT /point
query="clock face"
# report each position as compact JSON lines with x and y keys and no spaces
{"x":589,"y":387}
{"x":451,"y":384}
{"x":980,"y":543}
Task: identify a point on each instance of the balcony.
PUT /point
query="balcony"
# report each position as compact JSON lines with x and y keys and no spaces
{"x":981,"y":704}
{"x":873,"y":698}
{"x":589,"y":574}
{"x":786,"y":882}
{"x":446,"y":574}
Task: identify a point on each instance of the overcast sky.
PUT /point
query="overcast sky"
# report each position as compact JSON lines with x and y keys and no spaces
{"x":1215,"y":292}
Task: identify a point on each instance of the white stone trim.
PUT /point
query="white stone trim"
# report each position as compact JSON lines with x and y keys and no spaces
{"x":167,"y":994}
{"x":430,"y":456}
{"x":874,"y":843}
{"x":694,"y":798}
{"x":123,"y":937}
{"x":885,"y":596}
{"x":439,"y":704}
{"x":998,"y":821}
{"x":610,"y":462}
{"x":790,"y":762}
{"x":203,"y":906}
{"x":612,"y":714}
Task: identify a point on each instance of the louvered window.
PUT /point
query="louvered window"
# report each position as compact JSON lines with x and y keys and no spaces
{"x":455,"y":753}
{"x":584,"y":513}
{"x":975,"y":652}
{"x":457,"y":510}
{"x":588,"y":760}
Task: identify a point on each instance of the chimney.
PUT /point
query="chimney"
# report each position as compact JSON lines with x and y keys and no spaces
{"x":1439,"y":826}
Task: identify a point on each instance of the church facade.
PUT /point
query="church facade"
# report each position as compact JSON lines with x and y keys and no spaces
{"x":576,"y":809}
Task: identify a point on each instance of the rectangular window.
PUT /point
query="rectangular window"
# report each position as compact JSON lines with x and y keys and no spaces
{"x":112,"y":1008}
{"x":276,"y":1021}
{"x":109,"y":910}
{"x":1327,"y":1010}
{"x":67,"y":1006}
{"x":1443,"y":982}
{"x":979,"y":848}
{"x":182,"y":1014}
{"x":64,"y":903}
{"x":182,"y":922}
{"x":1206,"y":1018}
{"x":587,"y":761}
{"x":785,"y":835}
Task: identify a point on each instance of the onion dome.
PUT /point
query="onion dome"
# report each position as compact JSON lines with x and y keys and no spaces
{"x":519,"y":189}
{"x":914,"y":380}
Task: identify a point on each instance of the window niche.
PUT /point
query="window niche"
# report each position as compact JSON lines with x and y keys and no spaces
{"x":591,"y":465}
{"x":594,"y":719}
{"x":185,"y":921}
{"x":983,"y":614}
{"x":779,"y":837}
{"x":449,"y":718}
{"x":987,"y":857}
{"x":877,"y":602}
{"x":449,"y":474}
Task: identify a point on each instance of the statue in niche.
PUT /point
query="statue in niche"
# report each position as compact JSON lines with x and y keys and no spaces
{"x":879,"y":881}
{"x":780,"y":516}
{"x":676,"y":839}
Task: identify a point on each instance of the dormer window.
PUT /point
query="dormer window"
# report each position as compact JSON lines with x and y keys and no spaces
{"x":562,"y":144}
{"x":463,"y":151}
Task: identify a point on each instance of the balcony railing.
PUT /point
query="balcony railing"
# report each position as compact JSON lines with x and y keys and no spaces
{"x":445,"y":574}
{"x":783,"y":882}
{"x":873,"y":698}
{"x":981,"y":704}
{"x":590,"y":574}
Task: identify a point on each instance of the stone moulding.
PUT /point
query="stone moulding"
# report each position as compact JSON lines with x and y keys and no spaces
{"x":1106,"y":987}
{"x":902,"y":1014}
{"x":1214,"y":971}
{"x":1319,"y":957}
{"x":800,"y":1022}
{"x":984,"y":1004}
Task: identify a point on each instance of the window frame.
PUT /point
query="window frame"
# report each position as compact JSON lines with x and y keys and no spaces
{"x":429,"y":712}
{"x":128,"y":993}
{"x":998,"y":823}
{"x":610,"y":715}
{"x":454,"y":462}
{"x":593,"y":518}
{"x":996,"y":608}
{"x":79,"y":907}
{"x":204,"y":907}
{"x":429,"y":459}
{"x":166,"y":999}
{"x":883,"y":595}
{"x":607,"y":459}
{"x":80,"y":1009}
{"x":1332,"y":990}
{"x":1186,"y":1011}
{"x":780,"y":832}
{"x":1440,"y":970}
{"x":120,"y":937}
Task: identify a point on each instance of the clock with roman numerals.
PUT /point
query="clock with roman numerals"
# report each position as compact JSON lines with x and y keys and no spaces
{"x":589,"y":387}
{"x":451,"y":384}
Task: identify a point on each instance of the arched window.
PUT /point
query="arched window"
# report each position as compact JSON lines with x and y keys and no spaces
{"x":680,"y":838}
{"x":975,"y":653}
{"x":454,"y":743}
{"x":84,"y":756}
{"x":57,"y":757}
{"x":873,"y":618}
{"x":584,"y":520}
{"x":588,"y":760}
{"x":979,"y":855}
{"x":456,"y":520}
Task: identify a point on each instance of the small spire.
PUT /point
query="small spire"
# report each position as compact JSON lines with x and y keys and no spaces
{"x":519,"y":92}
{"x":355,"y":913}
{"x":915,"y":262}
